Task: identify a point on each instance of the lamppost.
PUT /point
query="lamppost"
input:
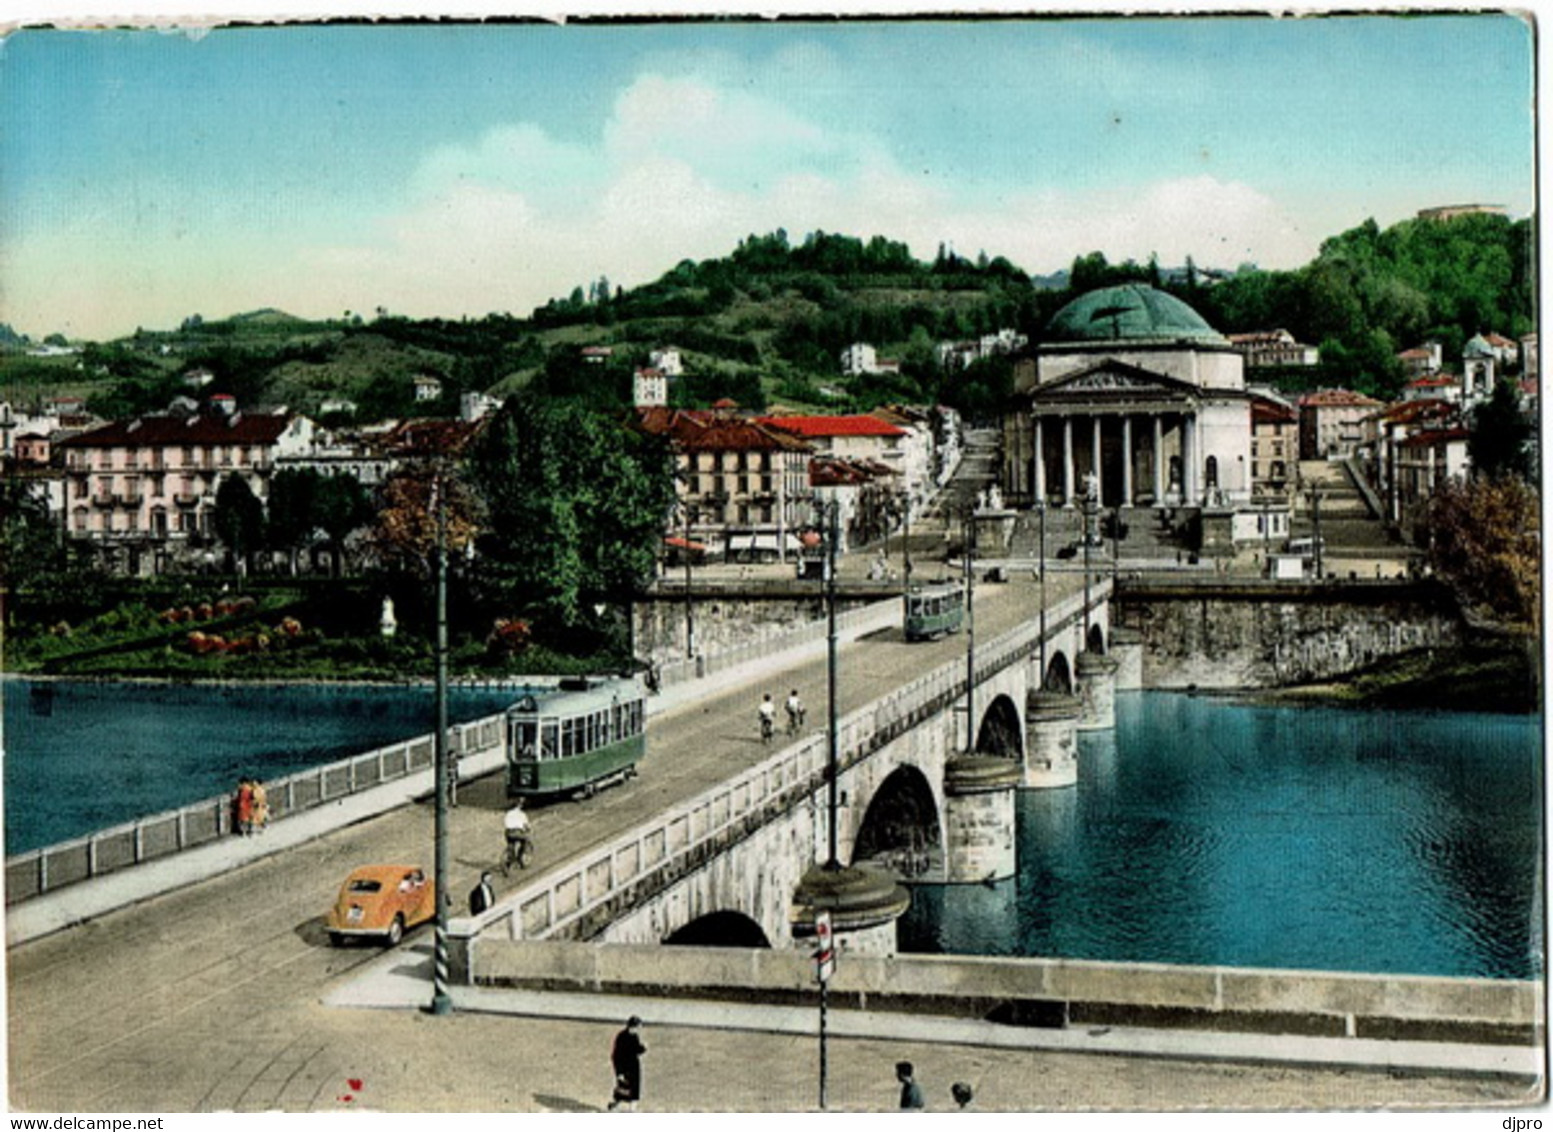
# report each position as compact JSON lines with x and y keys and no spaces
{"x":1087,"y":507}
{"x":690,"y":626}
{"x":970,"y":630}
{"x":1040,"y":510}
{"x":441,"y":1003}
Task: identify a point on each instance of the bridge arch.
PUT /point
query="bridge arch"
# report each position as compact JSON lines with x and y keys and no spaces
{"x":720,"y":929}
{"x":901,"y":827}
{"x":1059,"y":675}
{"x":1002,"y":730}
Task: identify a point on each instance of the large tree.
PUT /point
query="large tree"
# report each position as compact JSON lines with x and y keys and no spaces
{"x":1484,"y":541}
{"x":1500,"y":432}
{"x":238,"y":518}
{"x":575,"y":503}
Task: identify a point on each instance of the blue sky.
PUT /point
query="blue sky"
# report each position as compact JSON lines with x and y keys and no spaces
{"x":146,"y":175}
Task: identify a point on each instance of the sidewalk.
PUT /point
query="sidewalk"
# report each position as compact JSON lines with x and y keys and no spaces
{"x":89,"y":898}
{"x":402,"y":981}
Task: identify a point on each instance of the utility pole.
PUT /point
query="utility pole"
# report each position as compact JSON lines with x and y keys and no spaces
{"x":1040,"y":510}
{"x":970,"y":632}
{"x":832,"y":753}
{"x":690,"y":627}
{"x":1087,"y":505}
{"x":440,"y":1002}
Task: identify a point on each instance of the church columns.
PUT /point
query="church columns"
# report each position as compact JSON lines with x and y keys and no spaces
{"x":1094,"y":461}
{"x":1040,"y":461}
{"x":1126,"y":461}
{"x":1159,"y":460}
{"x":1067,"y":461}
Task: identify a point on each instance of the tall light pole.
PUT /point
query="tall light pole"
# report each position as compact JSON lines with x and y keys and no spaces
{"x":1087,"y":506}
{"x":690,"y":626}
{"x":832,"y":749}
{"x":441,"y":1003}
{"x":970,"y":632}
{"x":1040,"y":510}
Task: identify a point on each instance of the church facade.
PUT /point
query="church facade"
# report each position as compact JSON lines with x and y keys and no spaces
{"x":1131,"y":393}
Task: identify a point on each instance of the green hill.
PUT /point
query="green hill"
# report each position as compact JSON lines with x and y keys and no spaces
{"x":767,"y":323}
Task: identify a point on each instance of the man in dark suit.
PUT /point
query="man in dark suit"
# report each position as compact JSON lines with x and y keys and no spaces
{"x":482,"y":895}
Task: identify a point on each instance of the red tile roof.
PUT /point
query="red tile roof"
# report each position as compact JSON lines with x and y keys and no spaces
{"x":1336,"y":398}
{"x":692,"y":430}
{"x":169,"y":431}
{"x":1431,"y":437}
{"x":861,"y":424}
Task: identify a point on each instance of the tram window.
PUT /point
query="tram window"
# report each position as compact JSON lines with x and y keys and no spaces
{"x":547,"y":744}
{"x":524,"y":736}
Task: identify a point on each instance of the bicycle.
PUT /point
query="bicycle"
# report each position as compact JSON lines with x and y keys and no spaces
{"x":795,"y":721}
{"x":766,"y":728}
{"x":520,"y":847}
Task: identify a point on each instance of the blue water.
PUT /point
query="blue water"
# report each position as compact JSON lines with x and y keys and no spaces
{"x":80,"y":756}
{"x":1208,"y":831}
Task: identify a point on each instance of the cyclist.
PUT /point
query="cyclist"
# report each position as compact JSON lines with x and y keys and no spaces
{"x":519,"y":843}
{"x":794,"y":707}
{"x":767,"y":718}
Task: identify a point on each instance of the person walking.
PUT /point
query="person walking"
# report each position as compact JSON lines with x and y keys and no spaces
{"x":242,"y":808}
{"x":482,"y":895}
{"x":261,"y":806}
{"x":794,"y":713}
{"x":626,"y":1059}
{"x":767,"y":718}
{"x":911,"y":1092}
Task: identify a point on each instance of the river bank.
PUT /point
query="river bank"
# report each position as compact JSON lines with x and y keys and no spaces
{"x":1499,"y":673}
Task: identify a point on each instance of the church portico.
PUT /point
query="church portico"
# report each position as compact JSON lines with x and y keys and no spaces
{"x":1134,"y":394}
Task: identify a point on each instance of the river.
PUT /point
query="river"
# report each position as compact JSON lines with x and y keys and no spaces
{"x":84,"y":755}
{"x":1217,"y":831}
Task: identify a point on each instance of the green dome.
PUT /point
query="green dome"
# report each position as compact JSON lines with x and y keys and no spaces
{"x":1130,"y":311}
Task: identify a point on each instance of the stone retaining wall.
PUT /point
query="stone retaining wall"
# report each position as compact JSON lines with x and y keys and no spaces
{"x":1049,"y":992}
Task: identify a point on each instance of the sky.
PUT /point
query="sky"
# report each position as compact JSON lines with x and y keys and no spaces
{"x":459,"y":169}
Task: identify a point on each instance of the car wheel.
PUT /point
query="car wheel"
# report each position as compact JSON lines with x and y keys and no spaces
{"x":396,"y":931}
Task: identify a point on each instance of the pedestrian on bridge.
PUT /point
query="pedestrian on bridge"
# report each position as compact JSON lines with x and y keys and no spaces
{"x":626,"y":1059}
{"x":482,"y":895}
{"x":242,"y":807}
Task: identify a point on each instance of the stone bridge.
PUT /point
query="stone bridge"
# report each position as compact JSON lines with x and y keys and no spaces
{"x":916,"y":800}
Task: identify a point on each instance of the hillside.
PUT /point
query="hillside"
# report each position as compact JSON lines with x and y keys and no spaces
{"x":766,"y":325}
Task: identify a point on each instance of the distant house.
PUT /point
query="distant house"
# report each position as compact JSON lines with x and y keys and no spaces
{"x":1274,"y":348}
{"x":1529,"y":356}
{"x":860,"y":358}
{"x":141,"y":493}
{"x":198,"y":378}
{"x":1479,"y":367}
{"x":666,"y":360}
{"x":1333,"y":423}
{"x":1274,"y":444}
{"x":597,"y":355}
{"x":476,"y":406}
{"x":1420,"y":361}
{"x":649,"y":388}
{"x":742,"y":489}
{"x":427,"y":388}
{"x":1435,"y":387}
{"x":1451,"y":211}
{"x":1396,"y":424}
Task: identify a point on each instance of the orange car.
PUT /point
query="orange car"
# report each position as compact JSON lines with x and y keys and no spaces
{"x":382,"y":900}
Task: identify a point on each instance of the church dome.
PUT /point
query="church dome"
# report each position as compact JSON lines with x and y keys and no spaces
{"x":1131,"y":311}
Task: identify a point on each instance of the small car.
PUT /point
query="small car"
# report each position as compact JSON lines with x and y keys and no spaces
{"x":383,"y":901}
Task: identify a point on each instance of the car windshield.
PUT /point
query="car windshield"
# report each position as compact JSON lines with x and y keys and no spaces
{"x":366,"y":884}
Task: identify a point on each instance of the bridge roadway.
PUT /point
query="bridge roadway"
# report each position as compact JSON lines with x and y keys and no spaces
{"x":208,"y":998}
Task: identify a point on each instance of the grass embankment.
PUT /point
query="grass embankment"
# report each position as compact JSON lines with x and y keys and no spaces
{"x":276,"y":638}
{"x":1489,"y":673}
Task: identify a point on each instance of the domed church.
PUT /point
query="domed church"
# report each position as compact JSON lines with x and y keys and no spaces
{"x":1130,"y":386}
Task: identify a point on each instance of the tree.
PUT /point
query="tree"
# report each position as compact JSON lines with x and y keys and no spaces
{"x":292,"y":514}
{"x":1498,"y":443}
{"x":342,"y":508}
{"x":405,"y":532}
{"x":1485,"y":543}
{"x":238,"y":518}
{"x":575,"y":504}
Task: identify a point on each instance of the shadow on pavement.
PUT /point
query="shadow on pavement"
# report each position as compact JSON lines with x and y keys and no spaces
{"x":551,"y":1103}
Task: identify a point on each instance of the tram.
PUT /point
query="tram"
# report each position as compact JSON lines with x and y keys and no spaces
{"x":589,"y":734}
{"x":934,"y":611}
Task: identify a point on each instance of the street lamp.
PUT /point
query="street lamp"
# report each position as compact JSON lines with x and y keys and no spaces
{"x":970,"y":630}
{"x":690,"y":626}
{"x":441,"y":1003}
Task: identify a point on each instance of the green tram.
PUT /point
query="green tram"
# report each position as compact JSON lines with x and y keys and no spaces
{"x":589,"y":734}
{"x":934,"y":611}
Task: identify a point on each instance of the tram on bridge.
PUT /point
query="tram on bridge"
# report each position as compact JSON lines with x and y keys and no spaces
{"x":934,"y":611}
{"x":589,"y":734}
